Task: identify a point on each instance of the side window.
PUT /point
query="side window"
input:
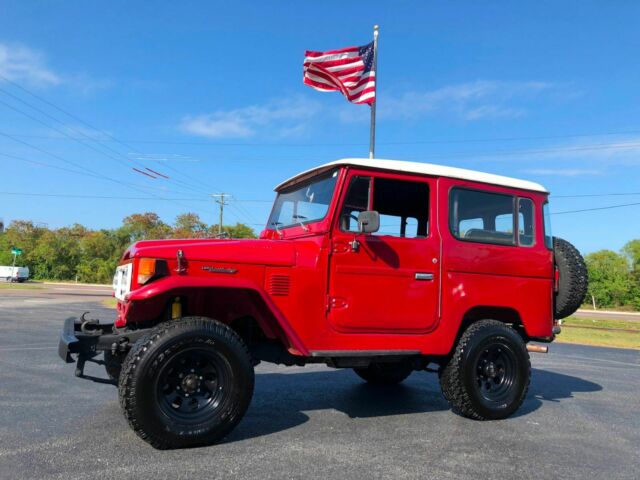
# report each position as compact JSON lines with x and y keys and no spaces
{"x":356,"y":201}
{"x":548,"y":236}
{"x":485,"y":217}
{"x":403,"y":207}
{"x":526,"y":231}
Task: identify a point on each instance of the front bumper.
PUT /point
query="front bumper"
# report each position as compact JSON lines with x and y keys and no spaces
{"x":88,"y":338}
{"x":85,"y":338}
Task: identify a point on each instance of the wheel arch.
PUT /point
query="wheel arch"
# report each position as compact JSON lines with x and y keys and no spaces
{"x":233,"y":303}
{"x":506,"y":315}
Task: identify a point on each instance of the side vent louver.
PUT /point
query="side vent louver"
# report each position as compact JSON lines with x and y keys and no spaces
{"x":279,"y":285}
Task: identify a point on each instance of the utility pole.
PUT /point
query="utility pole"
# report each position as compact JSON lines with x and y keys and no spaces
{"x":219,"y":198}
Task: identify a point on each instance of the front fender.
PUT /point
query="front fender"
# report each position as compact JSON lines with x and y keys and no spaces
{"x":149,"y":302}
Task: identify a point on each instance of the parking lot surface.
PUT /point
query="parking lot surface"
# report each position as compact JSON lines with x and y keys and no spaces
{"x":581,"y":418}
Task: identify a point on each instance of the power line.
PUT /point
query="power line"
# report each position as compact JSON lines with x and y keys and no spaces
{"x":597,"y":195}
{"x":62,"y":132}
{"x":38,"y":97}
{"x":357,"y":144}
{"x":78,"y":172}
{"x":79,"y":166}
{"x":224,"y":196}
{"x":596,"y":208}
{"x":124,"y":162}
{"x":105,"y":197}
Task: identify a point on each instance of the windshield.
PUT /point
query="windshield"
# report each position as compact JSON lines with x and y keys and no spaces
{"x":304,"y":203}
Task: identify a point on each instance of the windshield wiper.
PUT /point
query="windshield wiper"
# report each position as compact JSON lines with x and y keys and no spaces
{"x":299,"y":218}
{"x":276,"y":226}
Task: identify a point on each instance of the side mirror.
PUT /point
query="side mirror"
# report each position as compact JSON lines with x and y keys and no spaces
{"x":368,"y":221}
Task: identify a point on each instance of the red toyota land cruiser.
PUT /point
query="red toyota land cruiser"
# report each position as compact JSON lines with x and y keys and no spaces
{"x":381,"y":266}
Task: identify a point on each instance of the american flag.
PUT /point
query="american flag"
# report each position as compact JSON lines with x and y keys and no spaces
{"x":348,"y":70}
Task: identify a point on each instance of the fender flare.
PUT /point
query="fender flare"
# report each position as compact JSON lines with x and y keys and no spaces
{"x":166,"y":285}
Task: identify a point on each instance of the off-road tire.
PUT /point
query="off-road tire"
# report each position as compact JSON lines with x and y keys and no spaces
{"x":154,"y":358}
{"x":113,"y":366}
{"x":573,"y":281}
{"x":385,"y":373}
{"x":460,"y":377}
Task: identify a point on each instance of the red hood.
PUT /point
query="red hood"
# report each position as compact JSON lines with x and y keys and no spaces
{"x":260,"y":252}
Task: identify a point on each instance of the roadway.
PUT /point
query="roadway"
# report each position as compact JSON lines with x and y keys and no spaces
{"x":603,"y":314}
{"x":580,"y":419}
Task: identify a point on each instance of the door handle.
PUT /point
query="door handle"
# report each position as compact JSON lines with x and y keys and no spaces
{"x":424,"y":276}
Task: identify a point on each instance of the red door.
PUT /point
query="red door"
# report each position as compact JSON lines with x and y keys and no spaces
{"x":390,"y":281}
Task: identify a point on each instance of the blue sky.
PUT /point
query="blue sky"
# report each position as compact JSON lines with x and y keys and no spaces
{"x":211,"y":95}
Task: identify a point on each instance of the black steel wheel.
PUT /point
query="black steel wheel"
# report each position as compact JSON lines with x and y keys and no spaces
{"x":495,"y":373}
{"x":487,"y":377}
{"x":193,"y":384}
{"x":187,"y":383}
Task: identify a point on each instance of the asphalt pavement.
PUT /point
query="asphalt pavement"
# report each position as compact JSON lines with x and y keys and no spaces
{"x":581,"y":418}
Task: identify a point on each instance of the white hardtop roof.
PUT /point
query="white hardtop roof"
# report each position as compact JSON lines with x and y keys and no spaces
{"x":420,"y":168}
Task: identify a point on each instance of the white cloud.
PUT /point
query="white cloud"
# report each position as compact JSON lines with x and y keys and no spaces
{"x":277,"y":117}
{"x":477,"y":100}
{"x":562,"y":172}
{"x":22,"y":64}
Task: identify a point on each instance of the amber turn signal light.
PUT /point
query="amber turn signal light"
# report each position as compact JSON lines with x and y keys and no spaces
{"x":146,"y":270}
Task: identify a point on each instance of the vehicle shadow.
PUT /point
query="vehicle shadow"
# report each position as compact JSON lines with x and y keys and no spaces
{"x":281,"y":399}
{"x":553,"y":387}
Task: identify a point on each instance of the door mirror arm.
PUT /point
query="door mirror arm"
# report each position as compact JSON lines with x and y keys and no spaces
{"x":355,"y":244}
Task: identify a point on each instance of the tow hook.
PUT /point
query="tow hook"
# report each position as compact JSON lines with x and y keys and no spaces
{"x":537,"y":348}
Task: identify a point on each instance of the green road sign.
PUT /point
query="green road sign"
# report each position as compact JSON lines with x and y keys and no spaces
{"x":16,"y":251}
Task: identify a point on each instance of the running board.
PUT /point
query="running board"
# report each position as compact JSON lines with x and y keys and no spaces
{"x":363,"y":353}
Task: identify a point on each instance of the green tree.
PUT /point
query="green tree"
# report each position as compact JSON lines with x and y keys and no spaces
{"x":632,"y":251}
{"x":189,"y":225}
{"x":56,"y":254}
{"x":145,"y":226}
{"x":239,"y":230}
{"x":609,"y":279}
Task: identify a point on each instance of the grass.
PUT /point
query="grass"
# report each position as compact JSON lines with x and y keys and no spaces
{"x":585,"y":331}
{"x":20,"y":286}
{"x":110,"y":302}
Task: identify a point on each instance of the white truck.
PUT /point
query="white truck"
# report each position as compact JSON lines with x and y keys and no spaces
{"x":14,"y":274}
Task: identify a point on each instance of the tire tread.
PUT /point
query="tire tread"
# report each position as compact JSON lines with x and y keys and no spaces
{"x":127,"y":384}
{"x":451,"y":378}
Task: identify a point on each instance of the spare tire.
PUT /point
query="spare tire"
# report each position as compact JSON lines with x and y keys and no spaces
{"x":572,"y":281}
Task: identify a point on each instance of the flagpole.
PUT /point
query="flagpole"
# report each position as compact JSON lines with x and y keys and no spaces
{"x":372,"y":132}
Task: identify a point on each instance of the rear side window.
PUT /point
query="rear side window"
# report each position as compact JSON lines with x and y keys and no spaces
{"x":548,"y":236}
{"x":526,"y":221}
{"x":484,"y":217}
